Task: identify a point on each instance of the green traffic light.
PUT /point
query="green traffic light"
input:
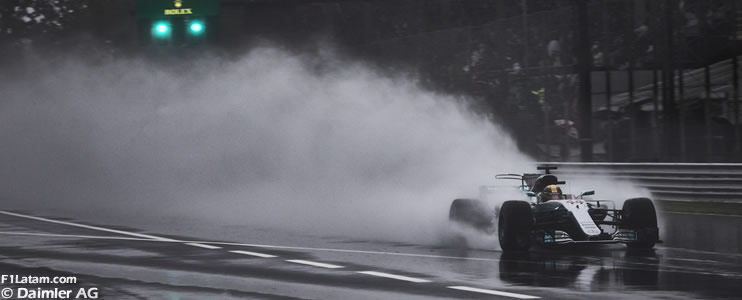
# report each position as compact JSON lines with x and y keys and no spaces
{"x":196,"y":27}
{"x":161,"y":29}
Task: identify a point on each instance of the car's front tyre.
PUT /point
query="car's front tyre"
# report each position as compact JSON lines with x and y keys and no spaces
{"x":639,"y":215}
{"x":514,"y":226}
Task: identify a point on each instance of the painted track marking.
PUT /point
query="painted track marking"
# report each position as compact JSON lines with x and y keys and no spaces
{"x":146,"y":236}
{"x":698,"y":214}
{"x":392,"y":276}
{"x":205,"y":246}
{"x":257,"y":246}
{"x":263,"y":255}
{"x":349,"y":251}
{"x":316,"y":264}
{"x":492,"y":292}
{"x":75,"y":236}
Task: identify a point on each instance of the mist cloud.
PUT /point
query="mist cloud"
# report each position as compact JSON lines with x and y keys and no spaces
{"x":272,"y":139}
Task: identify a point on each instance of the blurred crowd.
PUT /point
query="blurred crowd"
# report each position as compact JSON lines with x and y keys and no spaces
{"x":520,"y":59}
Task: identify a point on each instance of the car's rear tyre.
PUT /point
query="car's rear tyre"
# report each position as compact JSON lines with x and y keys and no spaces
{"x":514,"y":226}
{"x":471,"y":212}
{"x":639,"y":214}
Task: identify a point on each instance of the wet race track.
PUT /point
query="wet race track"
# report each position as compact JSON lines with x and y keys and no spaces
{"x":129,"y":262}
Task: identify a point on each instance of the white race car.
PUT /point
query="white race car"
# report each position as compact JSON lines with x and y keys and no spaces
{"x":545,"y":216}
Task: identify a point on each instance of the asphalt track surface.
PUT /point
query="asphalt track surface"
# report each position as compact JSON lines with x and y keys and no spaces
{"x":126,"y":263}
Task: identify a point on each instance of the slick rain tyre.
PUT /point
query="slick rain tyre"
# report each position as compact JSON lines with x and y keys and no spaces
{"x":514,"y":226}
{"x":640,"y":215}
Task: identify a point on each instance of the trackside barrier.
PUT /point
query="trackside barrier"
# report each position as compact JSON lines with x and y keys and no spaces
{"x":668,"y":181}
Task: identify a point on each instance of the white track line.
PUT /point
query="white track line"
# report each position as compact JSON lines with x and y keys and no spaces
{"x":316,"y":264}
{"x":203,"y":246}
{"x":347,"y":251}
{"x":492,"y":292}
{"x":79,"y":236}
{"x":698,"y":214}
{"x":161,"y":239}
{"x":253,"y":253}
{"x":257,"y":246}
{"x":392,"y":276}
{"x":146,"y":236}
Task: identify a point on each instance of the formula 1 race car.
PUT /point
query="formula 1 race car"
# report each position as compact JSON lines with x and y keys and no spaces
{"x":545,"y":216}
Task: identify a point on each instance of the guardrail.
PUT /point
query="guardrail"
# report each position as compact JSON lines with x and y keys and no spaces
{"x":668,"y":181}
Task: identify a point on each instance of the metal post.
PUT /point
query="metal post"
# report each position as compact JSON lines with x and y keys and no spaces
{"x":707,"y":114}
{"x":669,"y":110}
{"x":611,"y":146}
{"x":682,"y":116}
{"x":634,"y":112}
{"x":655,"y":114}
{"x":524,"y":3}
{"x":547,"y":127}
{"x":584,"y":67}
{"x":735,"y":91}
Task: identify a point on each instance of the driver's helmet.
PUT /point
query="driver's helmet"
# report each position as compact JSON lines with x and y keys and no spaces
{"x":551,"y":192}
